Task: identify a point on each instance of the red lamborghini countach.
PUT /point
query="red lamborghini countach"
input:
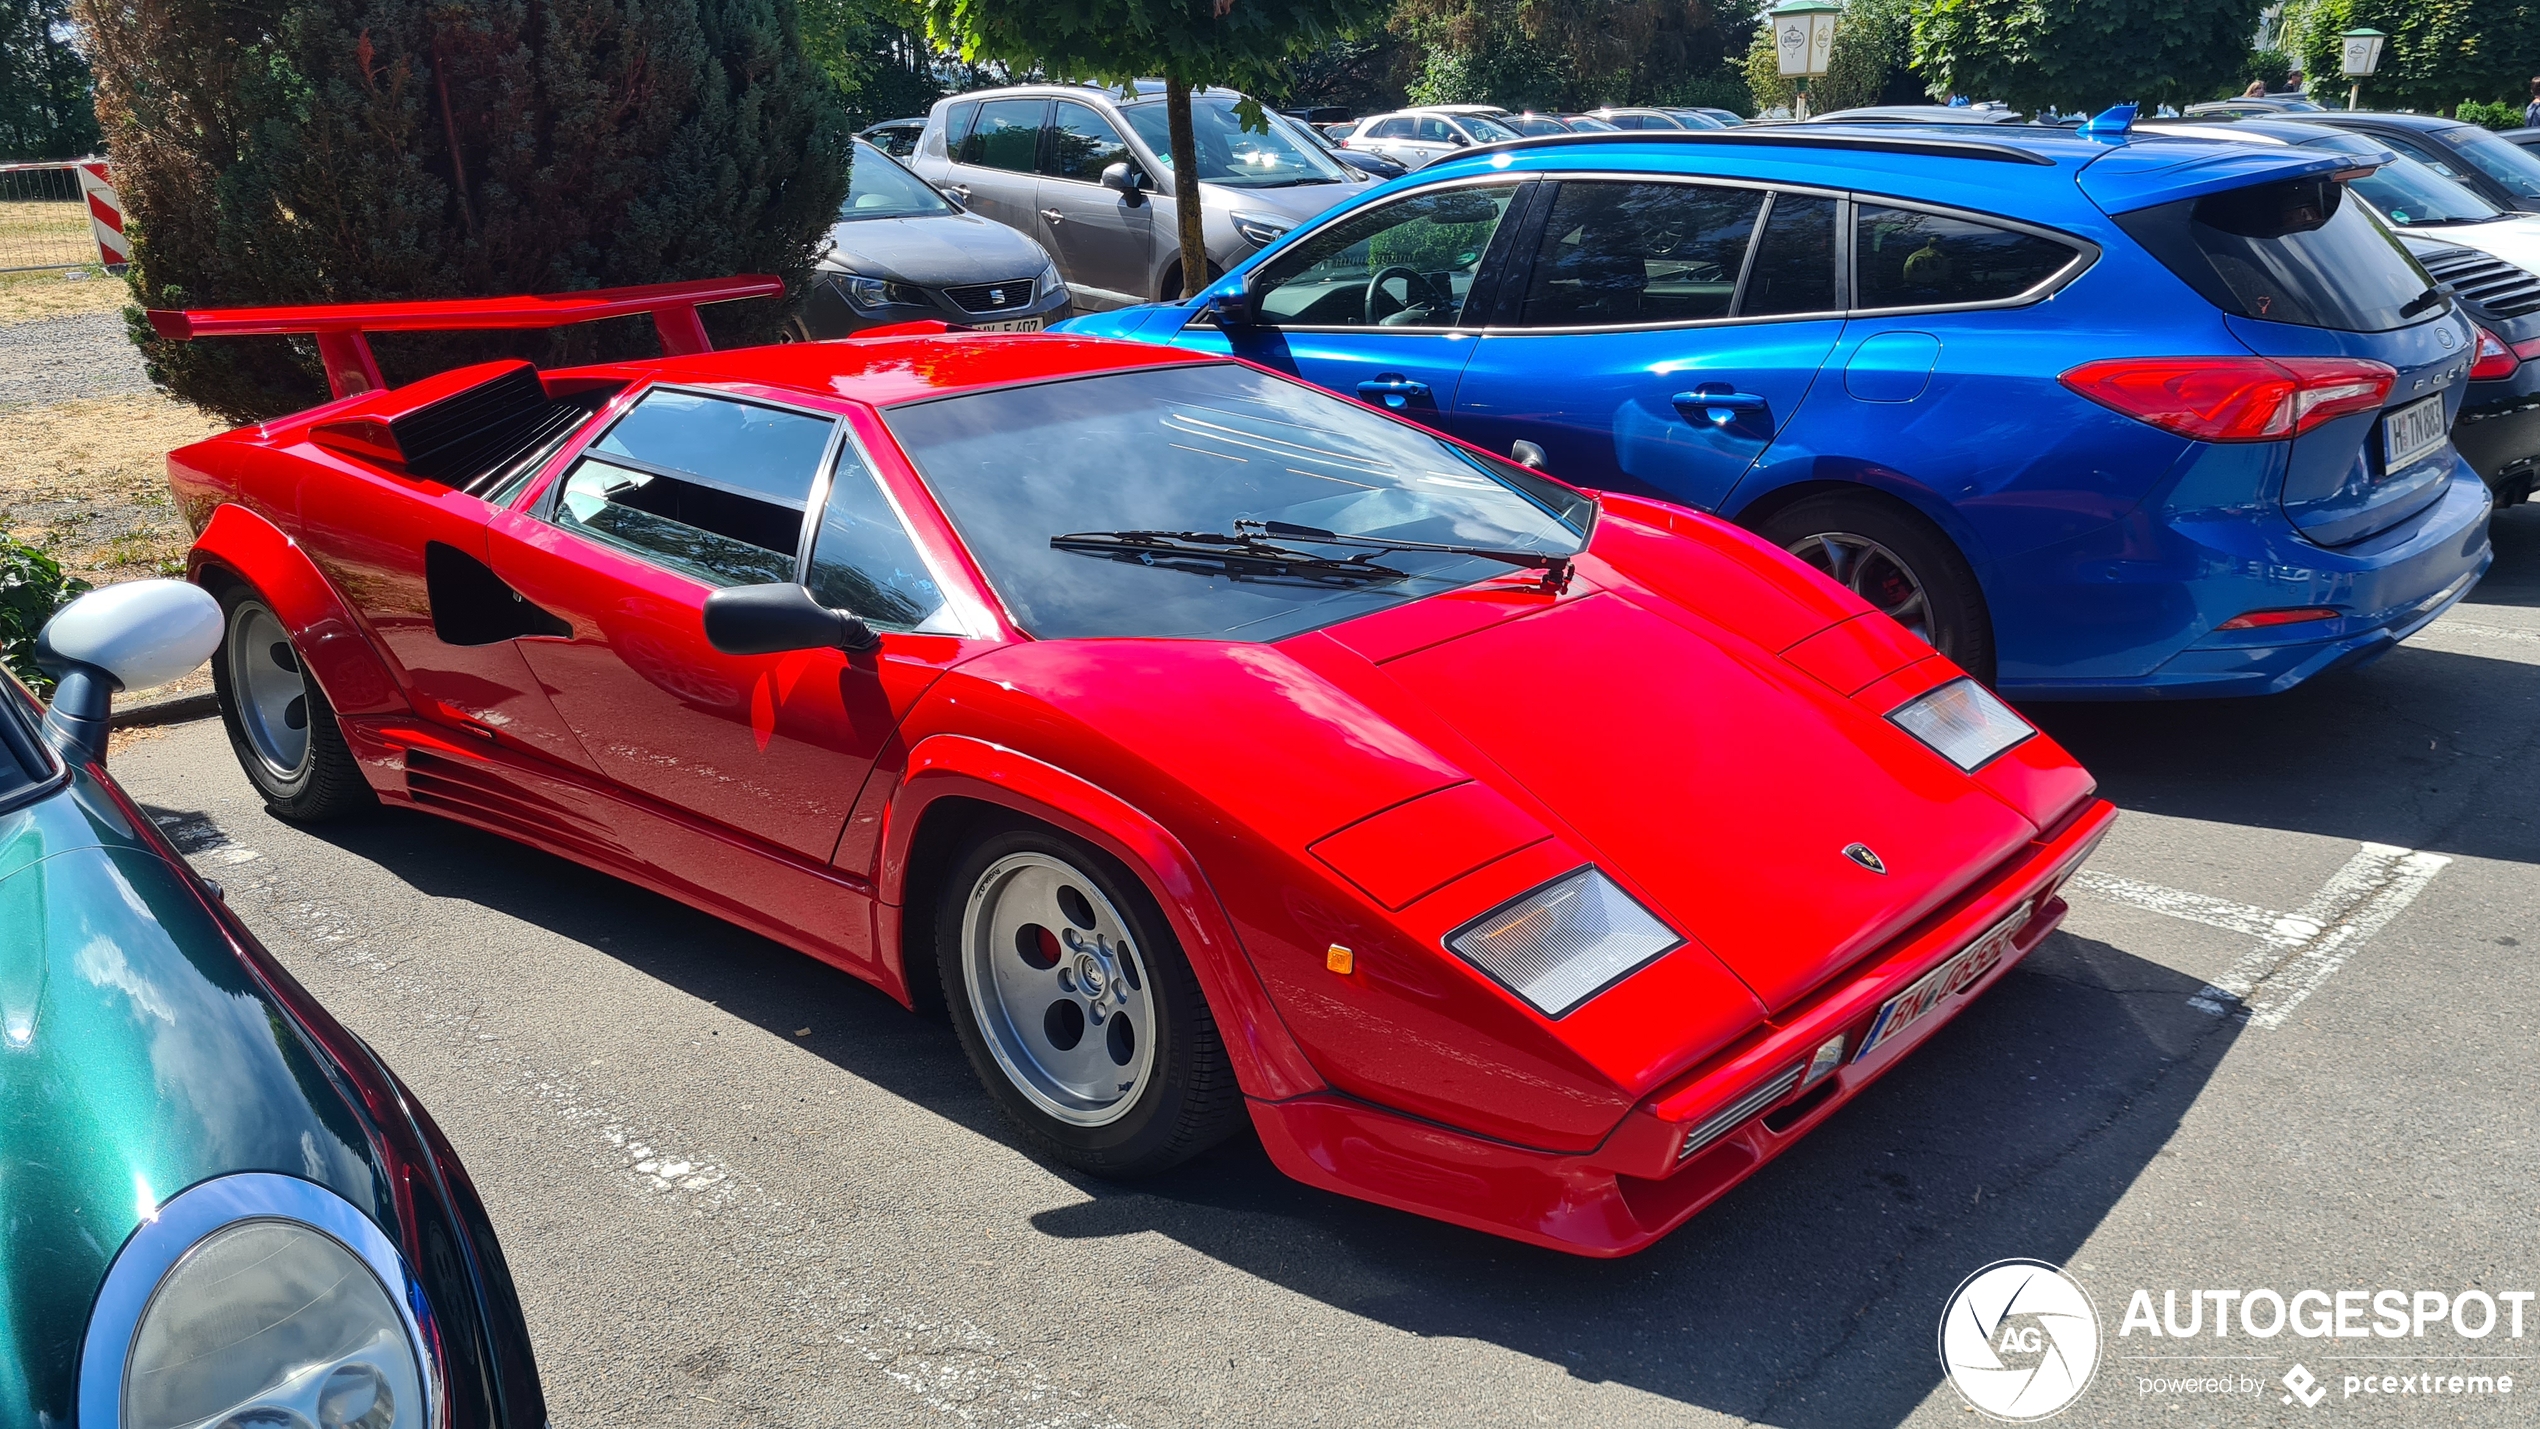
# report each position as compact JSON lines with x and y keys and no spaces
{"x":1212,"y":746}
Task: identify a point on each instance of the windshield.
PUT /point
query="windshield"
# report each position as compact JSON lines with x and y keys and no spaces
{"x":2501,"y":160}
{"x":2407,"y":192}
{"x":877,"y":187}
{"x":1485,"y":130}
{"x":1230,"y":154}
{"x":1196,"y":449}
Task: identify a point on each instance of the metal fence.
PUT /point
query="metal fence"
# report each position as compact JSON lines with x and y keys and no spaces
{"x":43,"y":218}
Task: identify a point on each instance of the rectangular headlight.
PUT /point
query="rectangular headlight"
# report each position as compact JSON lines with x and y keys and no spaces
{"x":1565,"y":942}
{"x":1963,"y":722}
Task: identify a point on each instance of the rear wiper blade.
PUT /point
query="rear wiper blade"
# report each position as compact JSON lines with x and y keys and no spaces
{"x":1240,"y":556}
{"x":1556,"y":569}
{"x":2430,"y":298}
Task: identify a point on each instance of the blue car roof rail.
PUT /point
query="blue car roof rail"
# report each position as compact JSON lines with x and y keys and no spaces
{"x":1779,"y":137}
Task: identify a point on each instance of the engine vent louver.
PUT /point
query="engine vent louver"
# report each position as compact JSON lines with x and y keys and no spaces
{"x":1739,"y":1112}
{"x":2500,"y":287}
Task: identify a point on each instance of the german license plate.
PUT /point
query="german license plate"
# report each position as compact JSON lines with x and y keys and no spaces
{"x":1013,"y":325}
{"x":1945,"y":981}
{"x":2411,"y":431}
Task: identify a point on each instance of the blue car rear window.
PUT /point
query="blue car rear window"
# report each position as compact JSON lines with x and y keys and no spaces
{"x":1195,"y":450}
{"x":2290,"y":252}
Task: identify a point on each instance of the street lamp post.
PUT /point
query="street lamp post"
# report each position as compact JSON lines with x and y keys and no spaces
{"x":2362,"y":55}
{"x":1803,"y":38}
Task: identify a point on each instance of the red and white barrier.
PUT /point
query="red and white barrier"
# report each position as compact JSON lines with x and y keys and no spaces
{"x":105,"y":212}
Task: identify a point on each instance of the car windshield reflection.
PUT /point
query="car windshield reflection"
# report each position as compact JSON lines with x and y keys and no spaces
{"x":1216,"y":448}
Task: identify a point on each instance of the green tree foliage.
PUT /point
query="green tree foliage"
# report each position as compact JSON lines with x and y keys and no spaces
{"x":877,"y":52}
{"x":1565,"y":54}
{"x":1246,"y":44}
{"x":1871,"y":63}
{"x":32,"y":587}
{"x":2492,"y":116}
{"x":2439,"y":52}
{"x":44,"y":107}
{"x":300,"y":151}
{"x":2083,"y":54}
{"x":2272,"y":68}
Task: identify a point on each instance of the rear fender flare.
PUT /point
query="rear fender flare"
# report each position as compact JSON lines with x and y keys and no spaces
{"x":1756,"y":503}
{"x":240,"y":544}
{"x":1267,"y":1061}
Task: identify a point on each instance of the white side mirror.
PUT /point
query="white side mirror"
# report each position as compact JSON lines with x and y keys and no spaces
{"x":124,"y":637}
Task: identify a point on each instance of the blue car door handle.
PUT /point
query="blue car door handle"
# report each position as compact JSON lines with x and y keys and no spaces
{"x":1718,"y":406}
{"x":1392,"y":389}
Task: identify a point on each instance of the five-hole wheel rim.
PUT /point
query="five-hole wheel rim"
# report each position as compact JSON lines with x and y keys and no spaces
{"x":1063,"y":998}
{"x":1874,"y":573}
{"x":271,"y":692}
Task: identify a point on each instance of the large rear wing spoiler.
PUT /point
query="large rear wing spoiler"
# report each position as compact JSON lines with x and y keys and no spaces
{"x":340,"y":328}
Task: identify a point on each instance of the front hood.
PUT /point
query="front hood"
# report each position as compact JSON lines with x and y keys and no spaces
{"x":941,"y":251}
{"x":1295,"y":203}
{"x":1718,"y":781}
{"x":137,"y":1057}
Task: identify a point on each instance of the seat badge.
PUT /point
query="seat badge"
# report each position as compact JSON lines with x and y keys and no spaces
{"x":1864,"y":856}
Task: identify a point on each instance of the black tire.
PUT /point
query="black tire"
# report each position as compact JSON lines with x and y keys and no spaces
{"x":323,"y":782}
{"x":1903,"y":550}
{"x":1187,"y":1100}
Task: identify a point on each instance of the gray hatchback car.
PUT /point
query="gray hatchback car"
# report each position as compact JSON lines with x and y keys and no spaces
{"x":901,"y":252}
{"x":1088,"y":172}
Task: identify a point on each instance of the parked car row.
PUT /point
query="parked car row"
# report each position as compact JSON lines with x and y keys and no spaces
{"x":1138,"y":694}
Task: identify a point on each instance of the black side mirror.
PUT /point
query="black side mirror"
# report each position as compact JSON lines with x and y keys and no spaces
{"x":1126,"y":181}
{"x":1525,"y":453}
{"x":952,"y":197}
{"x":772,"y":619}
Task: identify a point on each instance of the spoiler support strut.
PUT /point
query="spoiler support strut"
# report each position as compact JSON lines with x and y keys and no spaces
{"x":344,"y":348}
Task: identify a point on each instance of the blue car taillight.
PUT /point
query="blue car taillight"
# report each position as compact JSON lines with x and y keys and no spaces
{"x":2235,"y":399}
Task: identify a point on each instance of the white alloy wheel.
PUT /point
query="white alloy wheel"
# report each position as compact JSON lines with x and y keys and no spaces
{"x":1063,"y":999}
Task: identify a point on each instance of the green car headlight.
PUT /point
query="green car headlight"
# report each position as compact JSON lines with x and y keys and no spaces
{"x":258,"y":1302}
{"x":271,"y":1323}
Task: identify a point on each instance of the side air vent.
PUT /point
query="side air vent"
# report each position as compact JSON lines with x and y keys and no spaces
{"x":1739,"y":1112}
{"x":471,"y":791}
{"x":2500,"y":287}
{"x":466,"y":427}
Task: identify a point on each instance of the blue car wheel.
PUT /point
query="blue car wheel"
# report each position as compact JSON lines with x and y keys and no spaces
{"x":1893,"y":559}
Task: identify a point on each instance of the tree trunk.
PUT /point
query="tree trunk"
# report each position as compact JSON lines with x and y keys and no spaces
{"x":1186,"y":199}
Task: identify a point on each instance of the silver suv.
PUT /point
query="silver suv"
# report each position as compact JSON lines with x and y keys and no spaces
{"x":1089,"y":173}
{"x":1415,"y":138}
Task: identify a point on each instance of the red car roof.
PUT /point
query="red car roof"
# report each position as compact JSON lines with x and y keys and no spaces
{"x":887,"y":370}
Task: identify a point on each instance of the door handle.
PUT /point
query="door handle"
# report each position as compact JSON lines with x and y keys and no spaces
{"x":1393,"y":389}
{"x":1716,"y":404}
{"x":1053,"y":215}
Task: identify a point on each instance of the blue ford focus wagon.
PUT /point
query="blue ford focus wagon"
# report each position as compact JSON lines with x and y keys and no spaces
{"x":2099,"y":414}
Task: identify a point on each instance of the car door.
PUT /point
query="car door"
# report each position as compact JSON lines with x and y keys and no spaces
{"x":1432,"y":139}
{"x":1385,"y":137}
{"x":1104,"y":239}
{"x":688,"y":492}
{"x":1659,"y":333}
{"x":1374,"y":304}
{"x":995,"y":170}
{"x":410,"y":556}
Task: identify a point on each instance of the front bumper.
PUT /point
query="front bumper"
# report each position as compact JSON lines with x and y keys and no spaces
{"x":2394,"y":583}
{"x":826,"y":313}
{"x":1634,"y":1188}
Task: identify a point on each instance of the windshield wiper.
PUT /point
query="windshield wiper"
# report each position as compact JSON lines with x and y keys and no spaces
{"x":1556,"y":569}
{"x":2430,"y":298}
{"x":1239,"y":556}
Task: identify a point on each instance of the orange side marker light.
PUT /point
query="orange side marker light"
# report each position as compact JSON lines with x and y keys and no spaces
{"x":1339,"y":959}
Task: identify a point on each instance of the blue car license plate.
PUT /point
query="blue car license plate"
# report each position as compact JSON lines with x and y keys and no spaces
{"x":2411,"y":431}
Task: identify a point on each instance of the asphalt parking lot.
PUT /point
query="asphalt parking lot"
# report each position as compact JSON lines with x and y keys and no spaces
{"x":2283,"y":1041}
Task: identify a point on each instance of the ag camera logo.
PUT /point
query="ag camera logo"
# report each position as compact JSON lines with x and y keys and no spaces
{"x":2019,"y":1340}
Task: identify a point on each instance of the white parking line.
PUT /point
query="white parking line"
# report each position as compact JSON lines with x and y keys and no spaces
{"x":2296,"y":952}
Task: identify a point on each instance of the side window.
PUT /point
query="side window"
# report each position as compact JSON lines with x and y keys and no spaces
{"x":2448,"y":165}
{"x":863,"y":560}
{"x":1409,"y":263}
{"x":1434,"y":130}
{"x":1616,"y":254}
{"x":957,"y":122}
{"x":708,"y":487}
{"x":1793,"y":271}
{"x":1083,"y":144}
{"x":1393,"y":129}
{"x":1007,"y":135}
{"x":1630,"y":121}
{"x":1905,"y":259}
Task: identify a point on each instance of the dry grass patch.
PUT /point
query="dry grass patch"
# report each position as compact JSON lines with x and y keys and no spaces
{"x":37,"y":232}
{"x":88,"y":481}
{"x":27,"y":297}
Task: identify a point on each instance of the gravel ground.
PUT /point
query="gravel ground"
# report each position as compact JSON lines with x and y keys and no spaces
{"x":64,"y":359}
